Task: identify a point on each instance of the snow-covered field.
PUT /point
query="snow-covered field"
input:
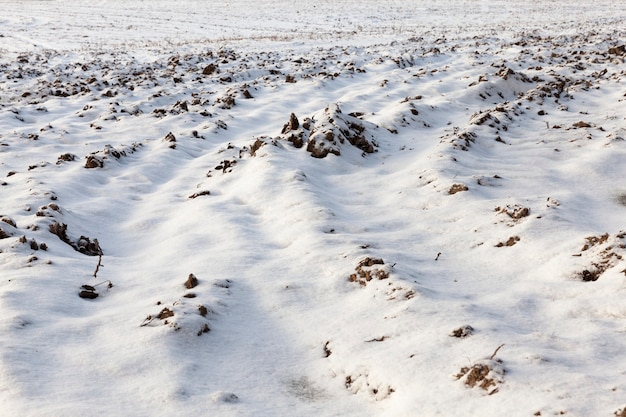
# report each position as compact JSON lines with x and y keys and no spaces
{"x":312,"y":208}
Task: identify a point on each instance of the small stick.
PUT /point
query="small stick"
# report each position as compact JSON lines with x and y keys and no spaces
{"x":496,"y":351}
{"x":97,"y":244}
{"x":377,"y":339}
{"x":147,"y":321}
{"x":95,"y":273}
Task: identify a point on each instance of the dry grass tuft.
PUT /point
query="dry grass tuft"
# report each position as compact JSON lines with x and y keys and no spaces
{"x":486,"y":374}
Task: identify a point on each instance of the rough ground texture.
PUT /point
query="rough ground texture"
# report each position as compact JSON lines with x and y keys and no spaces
{"x":391,"y":208}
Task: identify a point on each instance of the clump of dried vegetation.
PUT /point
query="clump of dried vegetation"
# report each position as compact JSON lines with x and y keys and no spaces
{"x":604,"y":251}
{"x":486,"y":374}
{"x":457,"y":188}
{"x":515,"y":211}
{"x":368,"y":269}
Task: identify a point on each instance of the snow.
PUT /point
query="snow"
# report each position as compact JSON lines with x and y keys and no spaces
{"x":455,"y":163}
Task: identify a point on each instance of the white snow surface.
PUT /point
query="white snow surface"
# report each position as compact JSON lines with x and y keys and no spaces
{"x":474,"y":176}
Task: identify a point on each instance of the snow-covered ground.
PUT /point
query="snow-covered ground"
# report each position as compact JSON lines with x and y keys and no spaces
{"x":398,"y":208}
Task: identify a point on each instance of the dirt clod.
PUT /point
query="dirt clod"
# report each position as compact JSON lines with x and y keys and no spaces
{"x":8,"y":221}
{"x":94,"y":161}
{"x":165,"y":313}
{"x":594,"y":240}
{"x":204,"y":329}
{"x":87,"y":246}
{"x":510,"y":242}
{"x":83,"y":245}
{"x":191,"y":282}
{"x":88,"y":294}
{"x":457,"y":188}
{"x":588,"y":276}
{"x":462,"y":331}
{"x":209,"y":69}
{"x":66,"y":157}
{"x":327,"y":351}
{"x":367,"y":270}
{"x":202,"y":310}
{"x":293,"y":124}
{"x":477,"y":375}
{"x":486,"y":374}
{"x":605,"y":251}
{"x":171,"y":139}
{"x":258,"y":144}
{"x":59,"y":229}
{"x":332,"y":129}
{"x":515,"y":212}
{"x":199,"y":194}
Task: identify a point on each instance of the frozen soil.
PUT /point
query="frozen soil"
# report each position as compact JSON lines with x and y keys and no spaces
{"x":415,"y":208}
